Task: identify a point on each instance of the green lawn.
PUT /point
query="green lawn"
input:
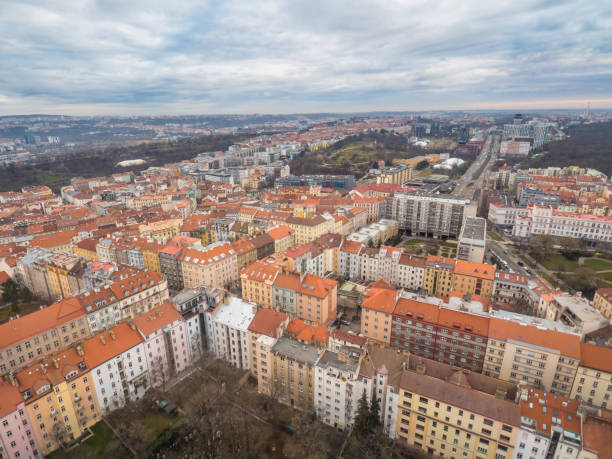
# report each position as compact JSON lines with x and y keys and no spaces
{"x":413,"y":242}
{"x":598,"y":264}
{"x":559,"y":262}
{"x":493,"y":235}
{"x":606,"y":276}
{"x":528,"y":262}
{"x":448,"y":244}
{"x":24,"y":308}
{"x":103,"y":444}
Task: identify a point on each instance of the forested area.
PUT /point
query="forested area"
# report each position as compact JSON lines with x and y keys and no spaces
{"x":588,"y":145}
{"x":101,"y":162}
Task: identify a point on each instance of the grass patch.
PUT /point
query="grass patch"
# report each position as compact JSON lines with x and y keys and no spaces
{"x":414,"y":242}
{"x":527,"y":261}
{"x":598,"y":264}
{"x":552,"y":281}
{"x":559,"y":263}
{"x":24,"y":308}
{"x":493,"y":235}
{"x":103,"y":444}
{"x":606,"y":276}
{"x":448,"y":244}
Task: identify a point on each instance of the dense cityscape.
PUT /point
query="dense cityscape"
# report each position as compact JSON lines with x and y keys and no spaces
{"x":305,"y":230}
{"x":438,"y":301}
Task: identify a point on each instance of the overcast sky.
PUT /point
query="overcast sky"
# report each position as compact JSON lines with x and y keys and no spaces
{"x":174,"y":56}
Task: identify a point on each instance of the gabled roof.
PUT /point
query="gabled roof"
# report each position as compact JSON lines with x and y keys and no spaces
{"x":596,"y":357}
{"x":380,"y":299}
{"x":109,"y":344}
{"x":157,"y":318}
{"x":316,"y":286}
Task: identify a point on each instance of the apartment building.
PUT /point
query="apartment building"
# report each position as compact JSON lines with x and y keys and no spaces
{"x":214,"y":266}
{"x":550,"y":426}
{"x":257,"y":280}
{"x":427,"y":215}
{"x":438,"y":279}
{"x":309,"y":229}
{"x":265,"y":323}
{"x":538,"y":352}
{"x":17,"y":437}
{"x":128,"y":296}
{"x":380,"y":263}
{"x":293,"y":365}
{"x":505,"y":216}
{"x":472,"y":240}
{"x":474,"y":278}
{"x":374,"y":206}
{"x":576,"y":312}
{"x":411,"y":271}
{"x":448,"y":412}
{"x":317,"y":299}
{"x":31,"y":270}
{"x":593,"y":381}
{"x":118,"y":366}
{"x":284,"y":293}
{"x":283,"y":236}
{"x":165,"y":342}
{"x":428,"y":328}
{"x":60,"y":399}
{"x":602,"y":301}
{"x":246,"y":252}
{"x":376,"y":311}
{"x":33,"y":336}
{"x":170,"y":265}
{"x":335,"y":397}
{"x":231,"y":321}
{"x":348,"y":259}
{"x":546,"y":220}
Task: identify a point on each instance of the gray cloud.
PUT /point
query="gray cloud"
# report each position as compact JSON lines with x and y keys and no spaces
{"x":288,"y":56}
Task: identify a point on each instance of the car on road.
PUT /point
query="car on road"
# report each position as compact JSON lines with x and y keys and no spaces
{"x":520,"y":263}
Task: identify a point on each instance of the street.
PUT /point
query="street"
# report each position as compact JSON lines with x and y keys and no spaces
{"x":467,"y":185}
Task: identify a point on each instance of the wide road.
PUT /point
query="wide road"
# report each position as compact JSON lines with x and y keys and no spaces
{"x":504,"y":250}
{"x":468,"y":185}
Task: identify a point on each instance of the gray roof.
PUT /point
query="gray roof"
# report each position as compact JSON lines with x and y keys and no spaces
{"x":295,"y":350}
{"x":330,"y":359}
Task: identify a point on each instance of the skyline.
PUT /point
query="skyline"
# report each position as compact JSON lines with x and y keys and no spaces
{"x":281,"y":57}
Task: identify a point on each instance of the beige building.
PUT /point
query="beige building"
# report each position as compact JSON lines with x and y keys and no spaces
{"x":214,"y":266}
{"x":602,"y":301}
{"x":593,"y":382}
{"x":293,"y":371}
{"x":308,"y":229}
{"x":438,"y":279}
{"x":447,"y":412}
{"x":532,"y":351}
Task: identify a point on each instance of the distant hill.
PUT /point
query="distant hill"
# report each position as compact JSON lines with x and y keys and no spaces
{"x":98,"y":162}
{"x":589,"y":145}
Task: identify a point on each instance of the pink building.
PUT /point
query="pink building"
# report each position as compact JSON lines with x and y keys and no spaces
{"x":166,"y":344}
{"x":16,"y":436}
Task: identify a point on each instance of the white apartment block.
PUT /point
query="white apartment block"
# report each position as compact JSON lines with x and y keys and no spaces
{"x":231,"y":322}
{"x":505,"y":216}
{"x":335,"y":397}
{"x":546,"y":220}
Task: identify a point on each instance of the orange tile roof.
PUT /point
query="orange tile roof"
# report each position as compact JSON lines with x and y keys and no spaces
{"x":308,"y":333}
{"x":596,"y":357}
{"x":288,"y":281}
{"x":37,"y":322}
{"x":279,"y":232}
{"x":351,"y":246}
{"x":460,"y":320}
{"x":470,"y":268}
{"x":267,"y":321}
{"x":105,"y":346}
{"x":157,"y":318}
{"x":316,"y":286}
{"x":260,"y":272}
{"x":207,"y":255}
{"x":596,"y":434}
{"x":417,"y":310}
{"x":10,"y":398}
{"x":558,"y":406}
{"x":501,"y":329}
{"x":380,"y":299}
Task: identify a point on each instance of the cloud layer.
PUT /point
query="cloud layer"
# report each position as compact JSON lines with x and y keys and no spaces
{"x":201,"y":56}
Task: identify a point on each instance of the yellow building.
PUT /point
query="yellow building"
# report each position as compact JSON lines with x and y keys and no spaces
{"x":257,"y":281}
{"x":86,"y":249}
{"x":64,"y":274}
{"x":309,"y":229}
{"x":448,"y":412}
{"x":438,"y":278}
{"x":208,"y":236}
{"x":163,"y":229}
{"x":293,"y":373}
{"x":593,"y":382}
{"x":474,"y":278}
{"x":61,"y":400}
{"x":602,"y":301}
{"x":246,"y":253}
